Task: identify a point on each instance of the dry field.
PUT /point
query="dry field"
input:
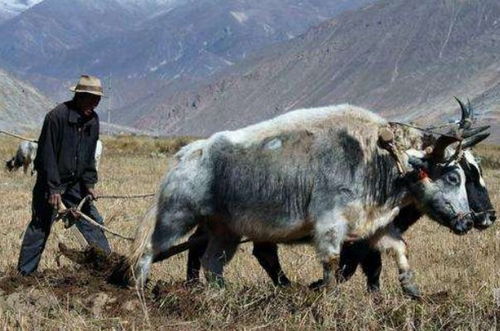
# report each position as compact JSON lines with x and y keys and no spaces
{"x":458,"y":275}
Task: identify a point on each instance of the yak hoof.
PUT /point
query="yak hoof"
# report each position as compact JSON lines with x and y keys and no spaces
{"x":317,"y":285}
{"x":320,"y":284}
{"x":373,"y":288}
{"x":282,"y":281}
{"x":193,"y":282}
{"x":412,"y":291}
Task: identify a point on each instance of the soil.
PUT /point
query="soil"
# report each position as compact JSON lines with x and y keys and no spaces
{"x":82,"y":287}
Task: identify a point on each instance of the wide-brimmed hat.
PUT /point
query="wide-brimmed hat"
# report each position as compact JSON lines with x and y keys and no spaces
{"x":88,"y":84}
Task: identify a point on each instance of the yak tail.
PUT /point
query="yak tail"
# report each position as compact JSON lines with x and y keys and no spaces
{"x":144,"y":232}
{"x":124,"y":274}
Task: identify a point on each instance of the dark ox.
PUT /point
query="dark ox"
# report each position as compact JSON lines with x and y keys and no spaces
{"x":25,"y":155}
{"x":317,"y":173}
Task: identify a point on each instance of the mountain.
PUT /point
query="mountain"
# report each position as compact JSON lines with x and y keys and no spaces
{"x":11,"y":8}
{"x":148,"y":44}
{"x":21,"y":105}
{"x":199,"y":37}
{"x":53,"y":27}
{"x":404,"y":58}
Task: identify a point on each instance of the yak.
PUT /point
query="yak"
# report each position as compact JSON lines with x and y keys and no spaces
{"x":360,"y":252}
{"x":321,"y":173}
{"x":25,"y":155}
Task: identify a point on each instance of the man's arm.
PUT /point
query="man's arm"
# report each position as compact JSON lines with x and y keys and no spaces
{"x":48,"y":145}
{"x":89,"y":176}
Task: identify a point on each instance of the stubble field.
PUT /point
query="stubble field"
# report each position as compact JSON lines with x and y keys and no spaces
{"x":459,"y":276}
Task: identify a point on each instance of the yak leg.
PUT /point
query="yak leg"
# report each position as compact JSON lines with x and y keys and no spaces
{"x":267,"y":255}
{"x":25,"y":168}
{"x":356,"y":253}
{"x":220,"y":251}
{"x":393,"y":241}
{"x":195,"y":253}
{"x":372,"y":267}
{"x":330,"y":231}
{"x":406,"y":275}
{"x":350,"y":257}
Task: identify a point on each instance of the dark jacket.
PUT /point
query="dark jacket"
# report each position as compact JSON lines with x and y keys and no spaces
{"x":66,"y":149}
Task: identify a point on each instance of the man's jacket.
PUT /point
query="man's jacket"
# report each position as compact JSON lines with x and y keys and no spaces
{"x":66,"y":149}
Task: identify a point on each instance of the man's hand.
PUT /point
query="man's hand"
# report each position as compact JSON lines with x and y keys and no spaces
{"x":55,"y":200}
{"x":92,"y":192}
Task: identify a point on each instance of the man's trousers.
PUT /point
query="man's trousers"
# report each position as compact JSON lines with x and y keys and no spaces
{"x":43,"y":216}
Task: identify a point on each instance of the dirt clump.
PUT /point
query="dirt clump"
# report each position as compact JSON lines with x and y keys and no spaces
{"x":29,"y":302}
{"x":94,"y":259}
{"x":82,"y":288}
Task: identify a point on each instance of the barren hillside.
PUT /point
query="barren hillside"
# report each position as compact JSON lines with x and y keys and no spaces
{"x":21,"y":105}
{"x":404,"y":58}
{"x":149,"y":43}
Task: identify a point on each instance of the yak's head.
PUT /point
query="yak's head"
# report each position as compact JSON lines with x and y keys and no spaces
{"x":11,"y":165}
{"x":447,"y":183}
{"x":480,"y":204}
{"x":479,"y":198}
{"x":439,"y":191}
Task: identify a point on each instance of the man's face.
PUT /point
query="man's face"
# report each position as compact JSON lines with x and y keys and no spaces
{"x":87,"y":102}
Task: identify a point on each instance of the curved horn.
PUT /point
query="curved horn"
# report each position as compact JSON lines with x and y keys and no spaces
{"x":473,"y":131}
{"x":438,"y":151}
{"x":474,"y":140}
{"x":471,"y":110}
{"x":466,"y":120}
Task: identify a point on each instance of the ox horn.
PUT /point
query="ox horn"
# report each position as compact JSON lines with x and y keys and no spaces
{"x":467,"y":114}
{"x":439,"y":149}
{"x":474,"y":140}
{"x":474,"y":131}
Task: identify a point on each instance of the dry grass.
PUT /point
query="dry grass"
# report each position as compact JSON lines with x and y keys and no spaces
{"x":144,"y":145}
{"x":466,"y":268}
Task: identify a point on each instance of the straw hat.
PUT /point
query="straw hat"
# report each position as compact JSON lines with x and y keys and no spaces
{"x":88,"y":84}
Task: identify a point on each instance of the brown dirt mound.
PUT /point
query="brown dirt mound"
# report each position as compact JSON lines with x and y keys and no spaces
{"x":85,"y":288}
{"x":96,"y":261}
{"x":82,"y":288}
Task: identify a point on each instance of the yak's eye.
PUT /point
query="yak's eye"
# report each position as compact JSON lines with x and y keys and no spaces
{"x":453,"y":178}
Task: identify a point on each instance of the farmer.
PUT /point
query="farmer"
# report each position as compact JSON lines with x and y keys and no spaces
{"x":66,"y":171}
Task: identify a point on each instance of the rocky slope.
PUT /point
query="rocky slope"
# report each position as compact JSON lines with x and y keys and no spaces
{"x":21,"y":105}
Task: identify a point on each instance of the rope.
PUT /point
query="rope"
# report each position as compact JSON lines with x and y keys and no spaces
{"x":423,"y":129}
{"x":182,"y":247}
{"x":77,"y":214}
{"x":18,"y":136}
{"x":136,"y":196}
{"x":483,"y":212}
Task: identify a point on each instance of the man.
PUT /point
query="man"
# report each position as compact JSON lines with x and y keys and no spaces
{"x":66,"y":171}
